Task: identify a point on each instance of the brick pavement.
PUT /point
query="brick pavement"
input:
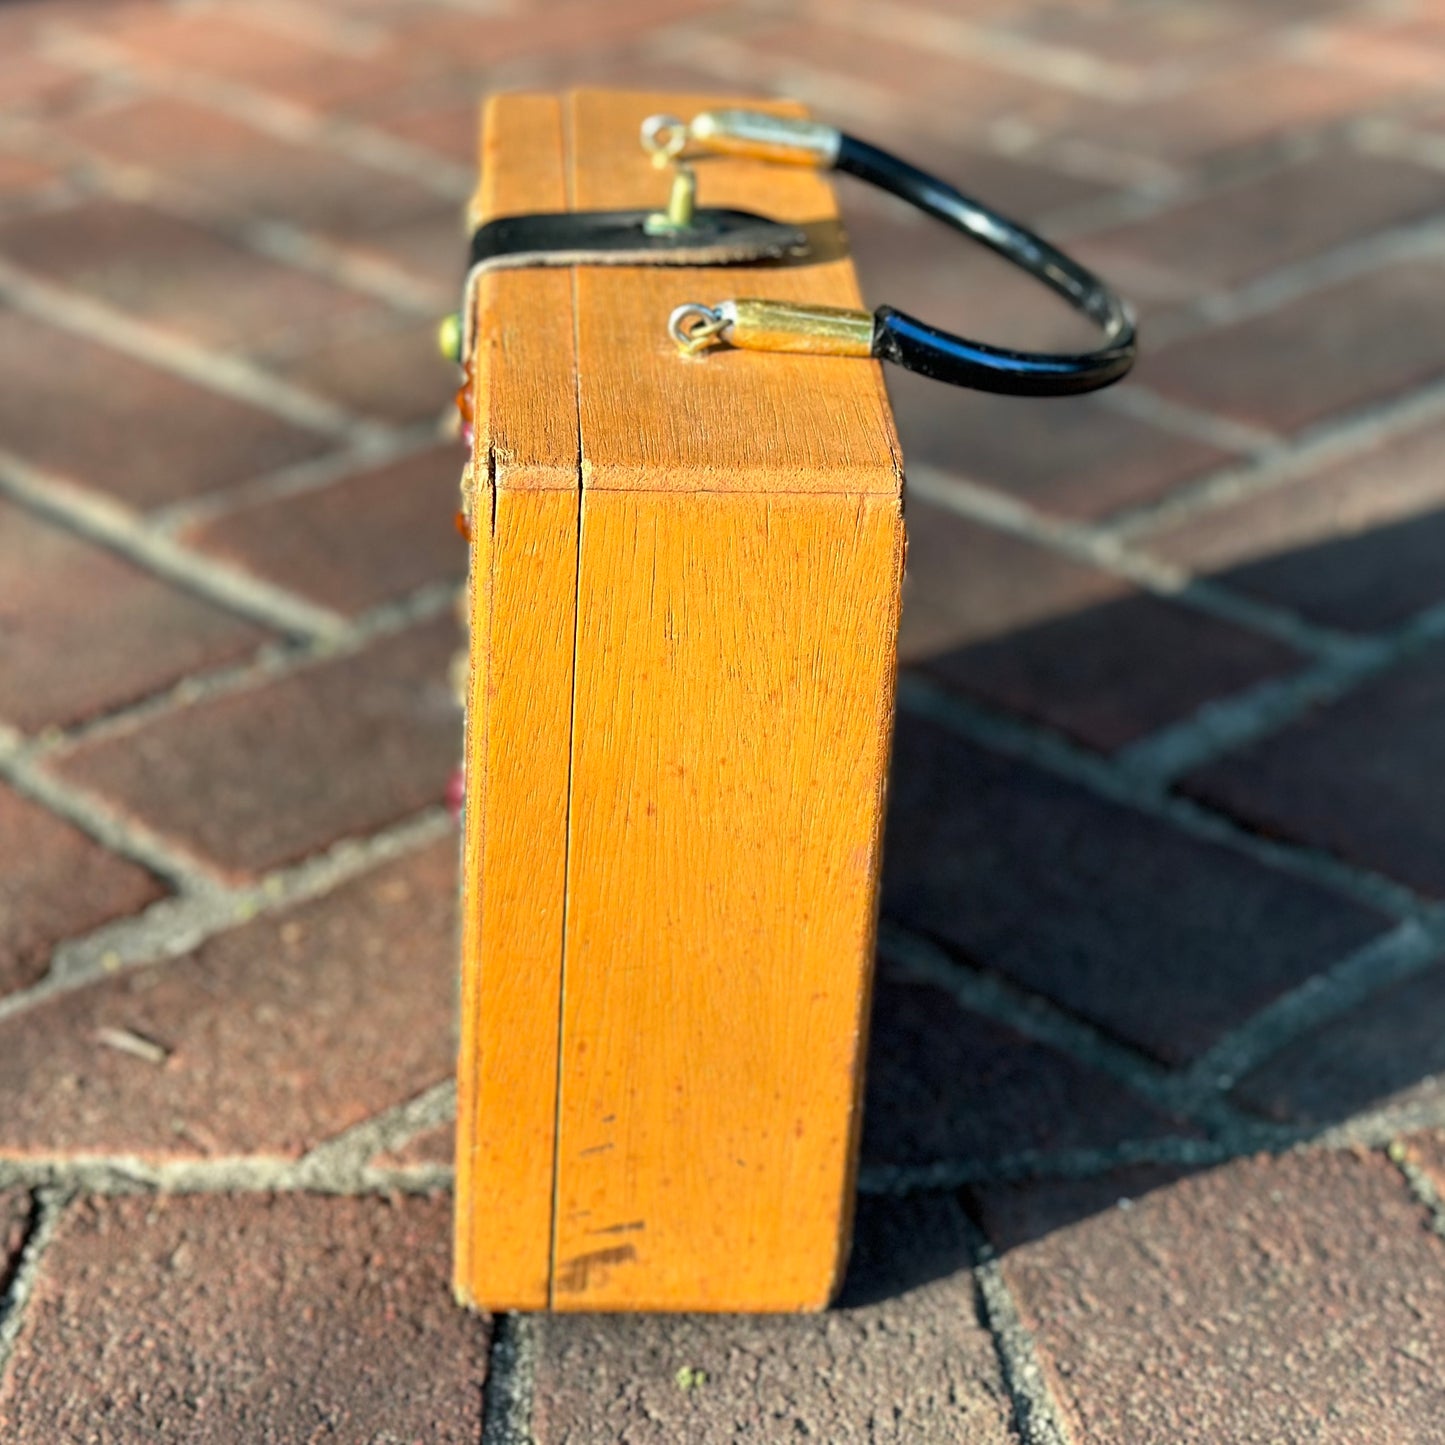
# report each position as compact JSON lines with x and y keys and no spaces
{"x":1155,"y":1139}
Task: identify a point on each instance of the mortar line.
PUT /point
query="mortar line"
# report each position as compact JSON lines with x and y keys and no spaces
{"x":271,"y":114}
{"x":101,"y":520}
{"x":108,"y":1174}
{"x":510,"y":1387}
{"x":192,"y":916}
{"x":47,"y":1207}
{"x":180,"y":870}
{"x":1334,"y":439}
{"x":354,"y":1148}
{"x":1407,"y":950}
{"x":270,"y":663}
{"x":914,"y":957}
{"x":223,"y":374}
{"x":299,"y":479}
{"x":1036,"y":1415}
{"x":1419,"y":1182}
{"x":1036,"y":746}
{"x":1104,"y":551}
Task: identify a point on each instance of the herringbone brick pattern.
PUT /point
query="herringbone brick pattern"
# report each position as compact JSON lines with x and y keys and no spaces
{"x":1155,"y":1142}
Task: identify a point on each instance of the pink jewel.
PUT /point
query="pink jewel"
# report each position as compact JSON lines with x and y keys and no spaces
{"x":456,"y":792}
{"x":467,"y":435}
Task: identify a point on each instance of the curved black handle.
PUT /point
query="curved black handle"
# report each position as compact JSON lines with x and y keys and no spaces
{"x":913,"y":344}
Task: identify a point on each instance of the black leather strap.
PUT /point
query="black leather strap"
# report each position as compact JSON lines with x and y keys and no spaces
{"x":913,"y":344}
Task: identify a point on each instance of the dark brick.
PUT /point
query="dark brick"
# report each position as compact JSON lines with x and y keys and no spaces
{"x":278,"y":1035}
{"x":263,"y":777}
{"x":945,"y":1084}
{"x":56,"y":883}
{"x":1366,"y":339}
{"x":903,"y":1358}
{"x":211,"y":1320}
{"x":172,"y":273}
{"x":1161,"y":939}
{"x":356,"y":543}
{"x":1072,"y":456}
{"x":1364,"y":778}
{"x":148,"y":437}
{"x":394,"y":371}
{"x":83,"y":632}
{"x":1296,"y":1299}
{"x":1288,"y":215}
{"x":1386,"y":1051}
{"x":1000,"y":618}
{"x":256,"y":174}
{"x":1355,"y":545}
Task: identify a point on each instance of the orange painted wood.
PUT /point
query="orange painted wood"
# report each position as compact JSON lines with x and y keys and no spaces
{"x":523,"y":610}
{"x":736,"y":584}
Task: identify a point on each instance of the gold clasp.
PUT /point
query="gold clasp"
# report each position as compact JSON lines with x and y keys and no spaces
{"x":760,"y":325}
{"x":664,"y":138}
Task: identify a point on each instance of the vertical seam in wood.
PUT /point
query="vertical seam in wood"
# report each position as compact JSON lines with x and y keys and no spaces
{"x":568,"y":161}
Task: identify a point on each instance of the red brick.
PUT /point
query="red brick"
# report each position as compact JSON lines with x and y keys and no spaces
{"x":1237,"y":107}
{"x":1427,"y":1152}
{"x":945,"y":1084}
{"x":172,"y":273}
{"x":432,"y":1146}
{"x":1072,"y":456}
{"x":263,"y":777}
{"x":1157,"y":937}
{"x":1355,"y":545}
{"x":38,"y":86}
{"x":1163,"y":34}
{"x":821,"y":64}
{"x":212,"y":1320}
{"x":148,"y":437}
{"x":21,"y":176}
{"x":451,"y":129}
{"x":1387,"y":1051}
{"x":84,"y":632}
{"x":1273,"y":1299}
{"x":904,"y":1358}
{"x":358,"y":542}
{"x":1025,"y":628}
{"x":1366,"y":340}
{"x":278,"y":1035}
{"x":392,"y":371}
{"x":1364,"y":778}
{"x":253,"y":174}
{"x":56,"y":883}
{"x":433,"y":247}
{"x":1288,"y":215}
{"x":16,"y":1214}
{"x":919,"y":267}
{"x":224,"y":45}
{"x":442,"y":39}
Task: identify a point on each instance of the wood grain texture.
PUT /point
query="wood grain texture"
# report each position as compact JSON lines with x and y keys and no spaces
{"x":734,"y":685}
{"x":735,"y":566}
{"x":523,"y":595}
